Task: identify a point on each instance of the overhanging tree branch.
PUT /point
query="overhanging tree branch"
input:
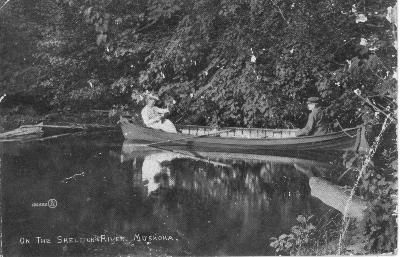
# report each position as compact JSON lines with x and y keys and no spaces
{"x":6,"y":2}
{"x":280,"y":11}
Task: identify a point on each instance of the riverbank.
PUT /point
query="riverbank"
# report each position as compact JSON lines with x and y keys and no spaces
{"x":12,"y":118}
{"x":316,"y":236}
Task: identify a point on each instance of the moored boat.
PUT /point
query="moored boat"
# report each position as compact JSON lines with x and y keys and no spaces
{"x":50,"y":130}
{"x":244,"y":140}
{"x":23,"y":132}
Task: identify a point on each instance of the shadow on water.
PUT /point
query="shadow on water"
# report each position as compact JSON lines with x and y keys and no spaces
{"x":114,"y":198}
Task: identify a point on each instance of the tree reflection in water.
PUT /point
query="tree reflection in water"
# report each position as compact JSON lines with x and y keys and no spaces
{"x":257,"y":196}
{"x":212,"y":203}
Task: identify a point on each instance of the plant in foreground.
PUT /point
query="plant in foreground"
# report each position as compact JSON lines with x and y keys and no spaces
{"x":301,"y":238}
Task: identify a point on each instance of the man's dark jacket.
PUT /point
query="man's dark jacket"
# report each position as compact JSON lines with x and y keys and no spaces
{"x":315,"y":125}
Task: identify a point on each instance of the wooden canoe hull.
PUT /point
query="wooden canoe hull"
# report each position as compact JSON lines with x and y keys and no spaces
{"x":24,"y":132}
{"x":350,"y":139}
{"x":131,"y":151}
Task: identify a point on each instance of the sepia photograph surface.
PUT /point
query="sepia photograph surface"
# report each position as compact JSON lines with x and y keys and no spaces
{"x":198,"y":127}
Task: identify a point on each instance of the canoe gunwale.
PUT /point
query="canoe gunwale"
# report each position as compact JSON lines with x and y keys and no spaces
{"x":344,"y":131}
{"x":238,"y":128}
{"x":349,"y":139}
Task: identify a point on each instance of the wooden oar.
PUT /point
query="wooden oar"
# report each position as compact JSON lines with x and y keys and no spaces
{"x":191,"y":137}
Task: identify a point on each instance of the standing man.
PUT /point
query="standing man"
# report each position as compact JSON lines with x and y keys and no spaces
{"x":315,"y":125}
{"x":153,"y":117}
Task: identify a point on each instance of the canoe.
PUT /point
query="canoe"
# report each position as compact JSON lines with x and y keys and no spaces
{"x":131,"y":151}
{"x":38,"y":130}
{"x":23,"y":132}
{"x":242,"y":140}
{"x":50,"y":129}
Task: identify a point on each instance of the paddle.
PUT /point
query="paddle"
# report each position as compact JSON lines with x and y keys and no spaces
{"x":191,"y":137}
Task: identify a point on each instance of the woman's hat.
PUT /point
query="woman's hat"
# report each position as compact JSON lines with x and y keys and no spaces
{"x":149,"y":95}
{"x":313,"y":100}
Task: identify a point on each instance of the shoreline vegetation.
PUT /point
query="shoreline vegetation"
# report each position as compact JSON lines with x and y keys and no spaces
{"x":9,"y":121}
{"x":218,"y":63}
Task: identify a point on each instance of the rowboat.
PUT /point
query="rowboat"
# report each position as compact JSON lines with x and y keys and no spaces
{"x":245,"y":140}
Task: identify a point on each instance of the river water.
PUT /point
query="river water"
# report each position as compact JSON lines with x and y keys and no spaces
{"x":99,"y":196}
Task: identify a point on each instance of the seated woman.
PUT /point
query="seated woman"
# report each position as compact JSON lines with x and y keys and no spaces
{"x":153,"y":117}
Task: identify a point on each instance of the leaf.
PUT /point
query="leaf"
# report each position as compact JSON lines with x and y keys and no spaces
{"x":101,"y":38}
{"x":301,"y":219}
{"x":310,"y":227}
{"x":274,"y":244}
{"x":296,"y":230}
{"x":283,"y":236}
{"x":288,"y":245}
{"x":361,"y":18}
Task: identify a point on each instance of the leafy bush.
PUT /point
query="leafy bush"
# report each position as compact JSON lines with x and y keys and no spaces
{"x":379,"y":185}
{"x":300,"y":241}
{"x":248,"y":63}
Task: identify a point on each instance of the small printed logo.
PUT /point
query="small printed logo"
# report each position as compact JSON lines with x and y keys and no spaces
{"x":51,"y":203}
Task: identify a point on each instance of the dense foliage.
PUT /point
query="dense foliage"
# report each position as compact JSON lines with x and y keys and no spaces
{"x":247,"y":63}
{"x":380,"y":187}
{"x":238,"y":63}
{"x":301,"y":238}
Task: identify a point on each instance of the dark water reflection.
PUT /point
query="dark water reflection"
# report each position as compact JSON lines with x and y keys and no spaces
{"x":190,"y":203}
